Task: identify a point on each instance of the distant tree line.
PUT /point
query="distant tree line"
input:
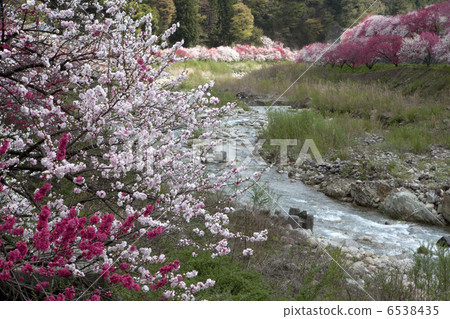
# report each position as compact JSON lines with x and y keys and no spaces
{"x":295,"y":22}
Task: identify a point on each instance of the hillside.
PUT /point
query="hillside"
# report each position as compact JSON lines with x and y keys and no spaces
{"x":296,"y":23}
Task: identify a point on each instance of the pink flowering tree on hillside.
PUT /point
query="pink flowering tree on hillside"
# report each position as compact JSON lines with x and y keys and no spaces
{"x":385,"y":48}
{"x":348,"y":53}
{"x":416,"y":37}
{"x":422,"y":48}
{"x":96,"y":175}
{"x":312,"y":52}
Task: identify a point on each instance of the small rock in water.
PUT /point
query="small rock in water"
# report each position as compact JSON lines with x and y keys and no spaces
{"x":365,"y":239}
{"x":444,"y":241}
{"x":296,"y":212}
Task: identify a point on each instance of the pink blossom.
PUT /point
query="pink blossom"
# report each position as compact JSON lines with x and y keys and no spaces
{"x":40,"y":194}
{"x":155,"y":232}
{"x":27,"y":268}
{"x":69,"y":293}
{"x":247,"y":252}
{"x":43,"y":218}
{"x":42,"y":240}
{"x":79,"y":180}
{"x":18,"y":231}
{"x":148,"y":210}
{"x":10,"y":221}
{"x":69,"y":98}
{"x":41,"y":285}
{"x":101,"y":194}
{"x":64,"y":272}
{"x":62,"y":147}
{"x":4,"y":147}
{"x":94,"y":219}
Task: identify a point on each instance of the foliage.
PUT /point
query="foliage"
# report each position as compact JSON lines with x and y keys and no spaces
{"x":242,"y":23}
{"x":166,"y":12}
{"x":188,"y":19}
{"x":96,"y":179}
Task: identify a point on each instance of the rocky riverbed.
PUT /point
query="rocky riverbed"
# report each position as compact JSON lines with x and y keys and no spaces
{"x":366,"y":179}
{"x":364,"y":213}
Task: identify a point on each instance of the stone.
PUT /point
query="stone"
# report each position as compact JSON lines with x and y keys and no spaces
{"x":444,"y":241}
{"x":301,"y":104}
{"x":445,"y":206}
{"x":312,"y":242}
{"x":287,"y":240}
{"x":359,"y":268}
{"x":295,"y":221}
{"x":300,"y":235}
{"x":365,"y":239}
{"x":309,"y":222}
{"x":364,"y":194}
{"x":296,"y":212}
{"x":369,"y":260}
{"x":432,"y":197}
{"x":350,"y":243}
{"x":353,"y":250}
{"x":338,"y":189}
{"x":404,"y":205}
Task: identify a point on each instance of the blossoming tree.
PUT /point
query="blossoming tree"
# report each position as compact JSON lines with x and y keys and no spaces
{"x":94,"y":165}
{"x":417,"y":37}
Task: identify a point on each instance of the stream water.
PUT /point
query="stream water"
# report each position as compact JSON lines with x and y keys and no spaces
{"x":342,"y":222}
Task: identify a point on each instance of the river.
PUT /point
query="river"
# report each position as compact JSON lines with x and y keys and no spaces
{"x":343,"y":223}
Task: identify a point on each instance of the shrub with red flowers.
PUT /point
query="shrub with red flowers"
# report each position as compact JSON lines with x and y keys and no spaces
{"x":94,"y":165}
{"x":421,"y":36}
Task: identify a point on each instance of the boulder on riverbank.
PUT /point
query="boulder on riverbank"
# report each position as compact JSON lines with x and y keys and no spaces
{"x":445,"y":210}
{"x":404,"y":205}
{"x":339,"y":189}
{"x":369,"y":194}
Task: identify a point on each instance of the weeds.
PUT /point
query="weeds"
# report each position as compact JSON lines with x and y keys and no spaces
{"x":328,"y":134}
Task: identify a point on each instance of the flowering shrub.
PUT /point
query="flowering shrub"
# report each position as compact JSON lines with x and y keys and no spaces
{"x":271,"y":51}
{"x":417,"y":37}
{"x":94,"y":167}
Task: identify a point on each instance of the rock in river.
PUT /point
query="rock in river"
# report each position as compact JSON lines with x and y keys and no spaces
{"x":404,"y":205}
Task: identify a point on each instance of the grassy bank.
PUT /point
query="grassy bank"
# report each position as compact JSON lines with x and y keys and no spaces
{"x":407,"y":105}
{"x":222,"y":73}
{"x":347,"y":103}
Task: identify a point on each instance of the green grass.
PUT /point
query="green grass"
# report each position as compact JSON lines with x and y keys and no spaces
{"x":429,"y":278}
{"x":409,"y":138}
{"x":323,"y":281}
{"x":222,"y":73}
{"x":328,"y":134}
{"x":357,"y":100}
{"x":234,"y":281}
{"x":431,"y":273}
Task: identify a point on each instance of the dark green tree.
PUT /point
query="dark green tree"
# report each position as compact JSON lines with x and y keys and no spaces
{"x":188,"y":17}
{"x":166,"y":12}
{"x":208,"y":11}
{"x":225,"y":13}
